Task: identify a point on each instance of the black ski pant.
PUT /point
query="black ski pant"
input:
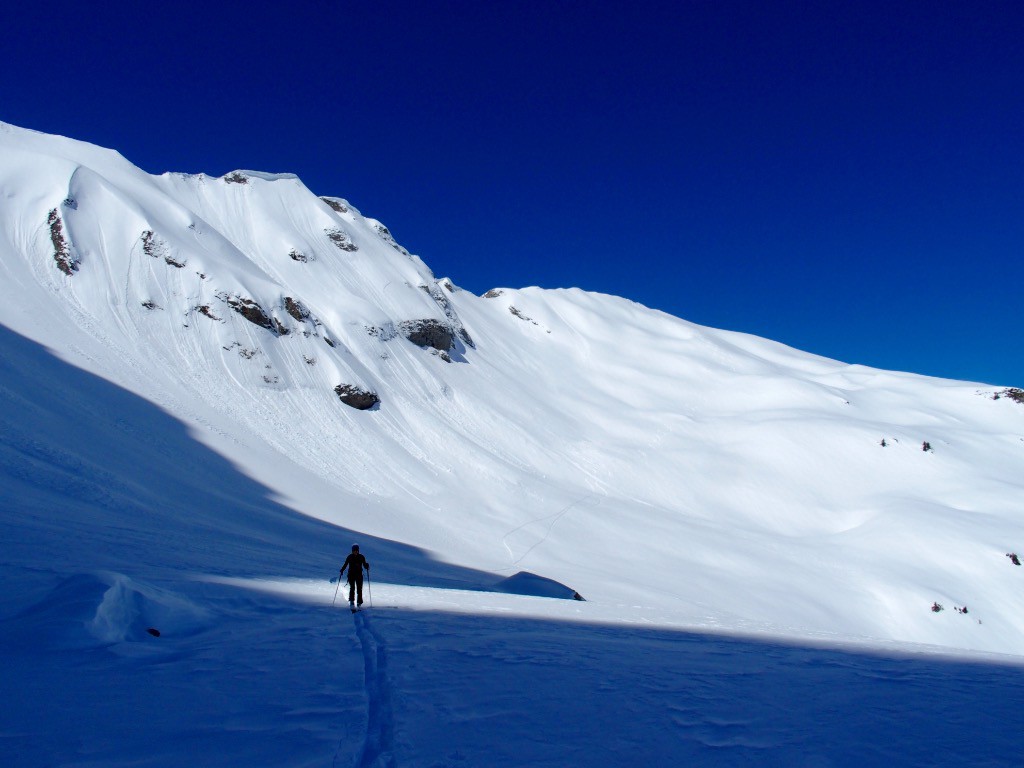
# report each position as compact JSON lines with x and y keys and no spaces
{"x":355,"y":586}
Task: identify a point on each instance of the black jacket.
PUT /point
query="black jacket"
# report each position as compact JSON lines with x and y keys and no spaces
{"x":355,"y":564}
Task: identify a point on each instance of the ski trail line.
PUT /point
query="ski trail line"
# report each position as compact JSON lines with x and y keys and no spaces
{"x":554,"y":518}
{"x":378,"y":745}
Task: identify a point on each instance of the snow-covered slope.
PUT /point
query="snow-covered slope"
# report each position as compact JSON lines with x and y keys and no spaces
{"x":233,"y":376}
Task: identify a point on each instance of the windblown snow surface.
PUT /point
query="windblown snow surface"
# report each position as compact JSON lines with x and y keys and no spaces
{"x":759,"y":570}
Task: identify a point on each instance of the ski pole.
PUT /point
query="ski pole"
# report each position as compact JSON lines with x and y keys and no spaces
{"x":336,"y":591}
{"x":369,"y":588}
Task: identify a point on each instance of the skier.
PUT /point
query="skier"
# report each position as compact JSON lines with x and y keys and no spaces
{"x":355,"y":563}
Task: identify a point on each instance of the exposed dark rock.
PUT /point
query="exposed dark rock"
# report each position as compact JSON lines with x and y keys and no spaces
{"x":298,"y":256}
{"x":521,"y":316}
{"x":341,"y":239}
{"x":1013,"y":558}
{"x":387,"y":237}
{"x":205,"y":310}
{"x":296,"y":309}
{"x":455,"y":325}
{"x":236,"y":178}
{"x":66,"y":262}
{"x":329,"y":342}
{"x":1015,"y":394}
{"x":155,"y":247}
{"x":70,"y":202}
{"x":336,"y":204}
{"x":356,"y":397}
{"x":255,"y":314}
{"x":150,"y":304}
{"x":493,"y":293}
{"x":428,"y":333}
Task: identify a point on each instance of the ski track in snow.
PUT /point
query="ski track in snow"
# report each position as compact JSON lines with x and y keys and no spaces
{"x":377,"y":745}
{"x":554,"y":520}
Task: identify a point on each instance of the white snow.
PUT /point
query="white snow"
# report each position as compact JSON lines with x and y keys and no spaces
{"x":758,"y":569}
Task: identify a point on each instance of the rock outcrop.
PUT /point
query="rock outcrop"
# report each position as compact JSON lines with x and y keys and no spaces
{"x":356,"y":397}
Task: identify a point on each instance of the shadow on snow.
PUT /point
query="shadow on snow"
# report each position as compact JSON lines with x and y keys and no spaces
{"x":518,"y":691}
{"x":94,"y":477}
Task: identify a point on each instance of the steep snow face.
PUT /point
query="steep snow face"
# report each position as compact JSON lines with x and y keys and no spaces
{"x":638,"y":458}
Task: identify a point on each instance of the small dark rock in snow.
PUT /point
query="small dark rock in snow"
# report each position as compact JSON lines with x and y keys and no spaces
{"x":1015,"y":394}
{"x":296,"y":309}
{"x":428,"y":333}
{"x":153,"y":631}
{"x":255,"y":314}
{"x":341,"y":239}
{"x":336,"y":204}
{"x":356,"y":397}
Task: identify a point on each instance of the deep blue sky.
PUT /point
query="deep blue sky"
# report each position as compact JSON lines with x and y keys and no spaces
{"x":846,"y":178}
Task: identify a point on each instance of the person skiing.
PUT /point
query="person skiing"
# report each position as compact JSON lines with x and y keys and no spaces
{"x":355,"y":563}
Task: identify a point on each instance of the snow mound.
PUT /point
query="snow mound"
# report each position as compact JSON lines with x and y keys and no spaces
{"x":88,"y":610}
{"x":129,"y":611}
{"x":532,"y":585}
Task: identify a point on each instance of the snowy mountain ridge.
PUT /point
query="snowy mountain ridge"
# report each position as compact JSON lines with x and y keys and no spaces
{"x":211,"y":383}
{"x":259,"y":304}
